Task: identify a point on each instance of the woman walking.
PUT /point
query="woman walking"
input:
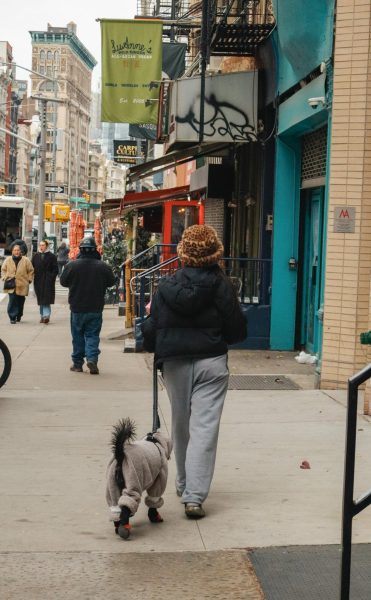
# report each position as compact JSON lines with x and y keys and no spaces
{"x":194,"y":315}
{"x":17,"y":274}
{"x":46,"y":271}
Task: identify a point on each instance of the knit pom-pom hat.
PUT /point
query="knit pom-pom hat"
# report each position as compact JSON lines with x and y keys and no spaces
{"x":200,"y":246}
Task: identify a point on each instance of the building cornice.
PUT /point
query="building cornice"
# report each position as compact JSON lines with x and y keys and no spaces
{"x":69,"y":39}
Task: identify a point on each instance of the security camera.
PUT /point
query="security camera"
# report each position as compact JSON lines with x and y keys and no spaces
{"x":316,"y":102}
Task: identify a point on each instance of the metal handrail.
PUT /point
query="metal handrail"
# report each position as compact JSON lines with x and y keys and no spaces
{"x":151,"y":250}
{"x":147,"y":276}
{"x":351,"y":507}
{"x":154,"y":253}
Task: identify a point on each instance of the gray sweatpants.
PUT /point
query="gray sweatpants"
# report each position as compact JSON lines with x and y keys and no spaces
{"x":197,"y":389}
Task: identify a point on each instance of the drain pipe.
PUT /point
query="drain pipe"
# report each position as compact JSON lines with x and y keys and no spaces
{"x":203,"y":61}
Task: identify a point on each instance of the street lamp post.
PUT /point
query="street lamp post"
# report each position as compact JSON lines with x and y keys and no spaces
{"x":42,"y":158}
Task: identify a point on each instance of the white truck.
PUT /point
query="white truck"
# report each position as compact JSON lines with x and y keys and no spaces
{"x":16,"y":215}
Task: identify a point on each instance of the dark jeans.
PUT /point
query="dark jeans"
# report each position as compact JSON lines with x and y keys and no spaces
{"x":15,"y":306}
{"x":85,"y":329}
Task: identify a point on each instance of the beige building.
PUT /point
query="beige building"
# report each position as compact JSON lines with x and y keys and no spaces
{"x":7,"y":73}
{"x":96,"y":177}
{"x":58,"y":54}
{"x":348,"y":262}
{"x":115,"y":180}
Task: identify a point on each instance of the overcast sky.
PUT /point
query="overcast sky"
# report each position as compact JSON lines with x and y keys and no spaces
{"x":23,"y":16}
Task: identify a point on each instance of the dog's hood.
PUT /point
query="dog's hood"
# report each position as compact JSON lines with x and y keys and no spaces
{"x":165,"y":442}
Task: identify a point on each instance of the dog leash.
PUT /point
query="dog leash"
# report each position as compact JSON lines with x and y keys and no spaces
{"x":156,"y":424}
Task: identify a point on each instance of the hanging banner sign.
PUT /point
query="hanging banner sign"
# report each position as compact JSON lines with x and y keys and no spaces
{"x":131,"y":70}
{"x":173,"y":66}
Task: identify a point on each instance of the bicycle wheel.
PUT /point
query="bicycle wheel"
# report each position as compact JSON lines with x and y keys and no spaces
{"x":5,"y":363}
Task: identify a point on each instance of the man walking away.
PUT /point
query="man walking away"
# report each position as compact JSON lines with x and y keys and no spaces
{"x":87,"y":278}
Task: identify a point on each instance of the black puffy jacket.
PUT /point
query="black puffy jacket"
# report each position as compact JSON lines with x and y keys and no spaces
{"x":194,"y":313}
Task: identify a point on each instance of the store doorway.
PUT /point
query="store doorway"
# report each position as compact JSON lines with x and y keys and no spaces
{"x":310,"y":270}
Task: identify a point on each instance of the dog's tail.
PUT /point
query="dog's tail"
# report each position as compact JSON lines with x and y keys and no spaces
{"x":123,"y":431}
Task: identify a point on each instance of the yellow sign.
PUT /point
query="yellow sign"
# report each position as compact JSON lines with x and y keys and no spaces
{"x":56,"y":212}
{"x":62,"y":212}
{"x":47,"y":211}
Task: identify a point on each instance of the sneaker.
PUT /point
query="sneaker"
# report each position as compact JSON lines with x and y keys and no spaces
{"x":194,"y":510}
{"x":76,"y":369}
{"x":93,"y":367}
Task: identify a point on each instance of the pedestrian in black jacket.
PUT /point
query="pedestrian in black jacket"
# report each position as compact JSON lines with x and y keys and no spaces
{"x":62,"y":257}
{"x":46,"y":269}
{"x":87,"y":278}
{"x":194,"y":315}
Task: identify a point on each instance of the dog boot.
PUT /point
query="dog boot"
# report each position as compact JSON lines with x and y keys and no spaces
{"x":123,"y":529}
{"x":154,"y":516}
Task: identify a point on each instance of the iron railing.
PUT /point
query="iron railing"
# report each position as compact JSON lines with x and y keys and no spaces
{"x":251,"y":278}
{"x":351,"y":507}
{"x":144,"y":284}
{"x":152,"y":256}
{"x":147,"y":259}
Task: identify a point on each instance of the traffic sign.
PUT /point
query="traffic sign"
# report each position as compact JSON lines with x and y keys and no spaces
{"x":54,"y":189}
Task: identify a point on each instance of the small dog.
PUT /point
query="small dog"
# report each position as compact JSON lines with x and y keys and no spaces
{"x":136,"y":466}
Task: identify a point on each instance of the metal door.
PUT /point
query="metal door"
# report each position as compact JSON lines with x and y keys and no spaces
{"x":312,"y":268}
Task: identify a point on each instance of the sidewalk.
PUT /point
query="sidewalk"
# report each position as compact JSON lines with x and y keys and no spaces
{"x":55,"y":434}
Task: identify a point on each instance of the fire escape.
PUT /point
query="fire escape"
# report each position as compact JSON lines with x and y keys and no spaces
{"x":237,"y":27}
{"x":174,"y":14}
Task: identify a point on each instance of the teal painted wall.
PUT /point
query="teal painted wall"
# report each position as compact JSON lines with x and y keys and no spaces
{"x":296,"y":116}
{"x":305,"y":37}
{"x":285,"y":243}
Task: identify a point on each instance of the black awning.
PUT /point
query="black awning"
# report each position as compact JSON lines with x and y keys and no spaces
{"x":177,"y":157}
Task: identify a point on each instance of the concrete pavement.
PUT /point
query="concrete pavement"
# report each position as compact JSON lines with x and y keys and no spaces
{"x":55,"y":431}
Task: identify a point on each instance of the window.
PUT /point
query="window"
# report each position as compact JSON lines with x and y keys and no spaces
{"x":49,"y":55}
{"x":47,"y":86}
{"x":56,"y":56}
{"x":42,"y":70}
{"x":42,"y":55}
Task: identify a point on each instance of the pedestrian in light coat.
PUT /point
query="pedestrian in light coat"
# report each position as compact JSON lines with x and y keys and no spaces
{"x":21,"y":268}
{"x":46,"y":271}
{"x":194,"y":315}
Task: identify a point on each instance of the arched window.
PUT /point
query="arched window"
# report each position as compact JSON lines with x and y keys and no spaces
{"x":56,"y":56}
{"x":50,"y":55}
{"x":42,"y":54}
{"x":48,"y":86}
